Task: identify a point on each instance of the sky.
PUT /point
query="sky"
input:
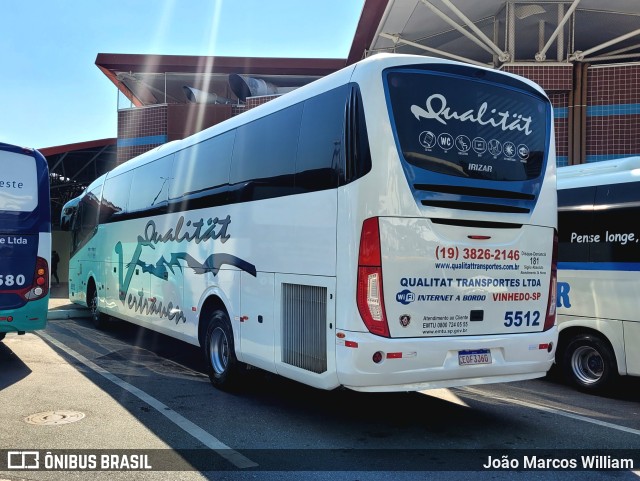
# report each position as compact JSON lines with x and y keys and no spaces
{"x":52,"y":93}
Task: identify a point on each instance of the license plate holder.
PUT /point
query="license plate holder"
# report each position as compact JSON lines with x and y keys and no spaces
{"x":474,"y":357}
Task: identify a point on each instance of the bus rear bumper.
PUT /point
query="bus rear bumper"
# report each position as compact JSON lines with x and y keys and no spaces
{"x":31,"y":317}
{"x":433,"y":363}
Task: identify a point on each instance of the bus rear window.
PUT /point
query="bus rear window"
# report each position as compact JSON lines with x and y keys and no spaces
{"x":18,"y":182}
{"x":466,"y":127}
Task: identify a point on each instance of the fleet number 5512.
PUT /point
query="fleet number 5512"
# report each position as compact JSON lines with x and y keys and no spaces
{"x":520,"y":318}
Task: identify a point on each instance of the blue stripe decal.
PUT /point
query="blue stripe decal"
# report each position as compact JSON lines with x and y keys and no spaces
{"x":599,"y":266}
{"x":561,"y":112}
{"x":616,"y":109}
{"x":135,"y":141}
{"x":601,"y":157}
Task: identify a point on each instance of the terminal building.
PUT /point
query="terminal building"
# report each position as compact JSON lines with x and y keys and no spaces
{"x":584,"y":53}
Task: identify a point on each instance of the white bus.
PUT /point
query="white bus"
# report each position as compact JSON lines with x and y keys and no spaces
{"x":599,"y":265}
{"x":389,"y":227}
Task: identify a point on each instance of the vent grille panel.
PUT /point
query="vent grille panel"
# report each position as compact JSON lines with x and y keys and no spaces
{"x":304,"y":327}
{"x":475,"y":206}
{"x":475,"y":191}
{"x":474,"y":198}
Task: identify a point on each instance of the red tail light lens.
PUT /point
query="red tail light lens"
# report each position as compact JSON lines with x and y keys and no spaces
{"x":369,"y":297}
{"x":40,"y":285}
{"x":42,"y":275}
{"x":550,"y":320}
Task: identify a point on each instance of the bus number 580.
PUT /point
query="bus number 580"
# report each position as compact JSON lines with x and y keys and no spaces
{"x":10,"y":280}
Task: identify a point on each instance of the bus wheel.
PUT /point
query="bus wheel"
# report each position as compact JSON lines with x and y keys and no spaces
{"x":222,"y":365}
{"x":97,"y":318}
{"x":589,"y":363}
{"x":2,"y":334}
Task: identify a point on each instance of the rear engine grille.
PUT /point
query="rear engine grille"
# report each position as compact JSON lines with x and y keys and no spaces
{"x":304,"y":327}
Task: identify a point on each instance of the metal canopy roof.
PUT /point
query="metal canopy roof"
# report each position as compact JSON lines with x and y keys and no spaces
{"x":73,"y":167}
{"x":495,"y":32}
{"x":155,"y":79}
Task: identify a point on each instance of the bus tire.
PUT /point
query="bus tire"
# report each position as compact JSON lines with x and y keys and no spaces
{"x":589,"y":363}
{"x":219,"y":349}
{"x":2,"y":334}
{"x":97,"y":318}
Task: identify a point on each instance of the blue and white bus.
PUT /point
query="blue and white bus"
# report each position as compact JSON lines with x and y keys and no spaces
{"x":25,"y":240}
{"x":389,"y":227}
{"x":599,"y":266}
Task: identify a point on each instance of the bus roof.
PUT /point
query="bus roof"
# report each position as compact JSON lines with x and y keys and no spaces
{"x":379,"y":62}
{"x":614,"y":171}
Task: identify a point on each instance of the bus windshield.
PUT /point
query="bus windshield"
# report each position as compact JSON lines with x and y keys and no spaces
{"x":465,"y":127}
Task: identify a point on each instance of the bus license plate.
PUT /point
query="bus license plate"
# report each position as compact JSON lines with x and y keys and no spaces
{"x":470,"y":358}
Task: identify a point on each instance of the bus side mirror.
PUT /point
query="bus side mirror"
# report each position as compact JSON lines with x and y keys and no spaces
{"x":67,"y":218}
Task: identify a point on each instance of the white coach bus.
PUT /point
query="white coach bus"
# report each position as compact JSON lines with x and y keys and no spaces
{"x":389,"y":227}
{"x":599,"y":262}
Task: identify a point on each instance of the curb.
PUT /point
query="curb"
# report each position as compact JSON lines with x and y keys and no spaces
{"x":68,"y":314}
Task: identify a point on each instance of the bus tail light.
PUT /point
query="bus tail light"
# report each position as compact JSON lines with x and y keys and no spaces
{"x":40,"y":286}
{"x":370,"y":297}
{"x":550,"y":320}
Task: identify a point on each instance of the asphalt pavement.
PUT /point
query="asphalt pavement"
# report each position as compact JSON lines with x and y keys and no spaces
{"x":75,"y":389}
{"x":60,"y":307}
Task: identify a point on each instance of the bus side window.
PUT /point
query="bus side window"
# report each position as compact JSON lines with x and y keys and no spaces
{"x":115,"y":196}
{"x":203,"y":169}
{"x":576,"y":229}
{"x":616,"y":208}
{"x":320,"y":147}
{"x":150,"y":185}
{"x":357,"y":150}
{"x":264,"y":156}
